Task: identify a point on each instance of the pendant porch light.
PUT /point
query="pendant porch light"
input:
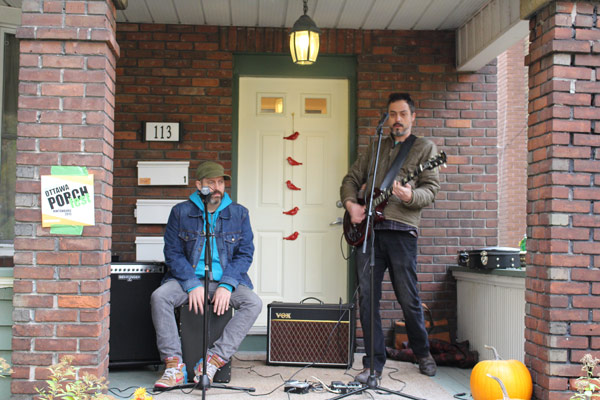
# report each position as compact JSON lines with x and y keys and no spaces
{"x":304,"y":40}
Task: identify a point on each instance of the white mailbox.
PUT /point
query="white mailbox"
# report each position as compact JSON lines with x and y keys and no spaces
{"x":159,"y":173}
{"x":154,"y":211}
{"x":149,"y":248}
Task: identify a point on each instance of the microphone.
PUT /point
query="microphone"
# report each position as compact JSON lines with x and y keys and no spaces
{"x":205,"y":193}
{"x":382,"y":121}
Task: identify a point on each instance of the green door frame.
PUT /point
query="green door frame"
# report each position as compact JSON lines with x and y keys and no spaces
{"x":281,"y":66}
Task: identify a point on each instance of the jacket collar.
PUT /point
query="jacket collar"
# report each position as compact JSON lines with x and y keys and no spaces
{"x":198,"y":211}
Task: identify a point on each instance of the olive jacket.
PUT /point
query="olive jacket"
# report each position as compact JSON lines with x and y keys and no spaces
{"x":424,"y":187}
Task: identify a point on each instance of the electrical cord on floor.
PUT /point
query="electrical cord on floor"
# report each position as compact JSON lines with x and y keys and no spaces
{"x":318,"y":387}
{"x":267,"y":393}
{"x":251,"y":369}
{"x":149,"y":391}
{"x":325,"y":387}
{"x":461,"y":396}
{"x":114,"y":391}
{"x":396,"y":379}
{"x":186,"y":390}
{"x":248,"y":360}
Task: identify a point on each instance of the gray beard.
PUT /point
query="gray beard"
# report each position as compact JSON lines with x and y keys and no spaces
{"x":396,"y":134}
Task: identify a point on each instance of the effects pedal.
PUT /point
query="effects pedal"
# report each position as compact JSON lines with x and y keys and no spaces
{"x":296,"y":387}
{"x":339,"y":387}
{"x":344,"y":388}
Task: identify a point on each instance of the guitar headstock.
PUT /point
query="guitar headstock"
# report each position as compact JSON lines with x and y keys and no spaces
{"x":436,"y":161}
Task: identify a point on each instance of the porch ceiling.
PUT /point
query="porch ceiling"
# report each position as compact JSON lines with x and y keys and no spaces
{"x":340,"y":14}
{"x":485,"y":28}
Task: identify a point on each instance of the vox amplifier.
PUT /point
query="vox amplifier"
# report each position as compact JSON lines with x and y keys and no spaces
{"x":303,"y":334}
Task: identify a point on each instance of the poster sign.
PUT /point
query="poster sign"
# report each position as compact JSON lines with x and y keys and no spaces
{"x":67,"y":200}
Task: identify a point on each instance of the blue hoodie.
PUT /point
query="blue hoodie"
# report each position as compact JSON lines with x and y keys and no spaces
{"x":217,"y":271}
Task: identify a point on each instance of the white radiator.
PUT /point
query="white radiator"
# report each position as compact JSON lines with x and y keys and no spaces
{"x":491,"y":311}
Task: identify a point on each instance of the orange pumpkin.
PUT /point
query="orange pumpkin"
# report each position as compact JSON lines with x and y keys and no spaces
{"x":513,"y":373}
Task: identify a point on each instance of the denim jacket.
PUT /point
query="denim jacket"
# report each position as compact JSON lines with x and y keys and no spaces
{"x":185,"y":237}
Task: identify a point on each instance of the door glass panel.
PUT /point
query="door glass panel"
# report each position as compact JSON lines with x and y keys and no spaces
{"x":315,"y":105}
{"x":271,"y":105}
{"x":8,"y":136}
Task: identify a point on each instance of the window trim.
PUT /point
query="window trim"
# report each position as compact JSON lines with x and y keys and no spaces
{"x":3,"y":30}
{"x":6,"y":249}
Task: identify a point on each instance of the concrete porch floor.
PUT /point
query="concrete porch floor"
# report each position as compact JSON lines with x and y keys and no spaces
{"x":249,"y":369}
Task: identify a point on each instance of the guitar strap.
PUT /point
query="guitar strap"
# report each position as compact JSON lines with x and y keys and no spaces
{"x":393,"y":171}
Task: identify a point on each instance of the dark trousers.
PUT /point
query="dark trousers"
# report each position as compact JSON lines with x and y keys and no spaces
{"x":395,"y":251}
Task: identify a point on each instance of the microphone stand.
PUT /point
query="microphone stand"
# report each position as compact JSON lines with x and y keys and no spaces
{"x":204,"y":382}
{"x":369,"y":228}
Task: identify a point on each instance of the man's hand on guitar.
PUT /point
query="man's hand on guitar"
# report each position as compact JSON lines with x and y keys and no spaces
{"x":356,"y":211}
{"x":404,"y":193}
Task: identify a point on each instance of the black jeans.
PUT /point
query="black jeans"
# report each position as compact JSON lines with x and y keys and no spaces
{"x":395,"y":251}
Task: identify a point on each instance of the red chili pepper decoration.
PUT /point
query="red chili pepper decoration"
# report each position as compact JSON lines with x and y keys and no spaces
{"x":291,"y":186}
{"x":293,"y":211}
{"x":291,"y":161}
{"x":293,"y":236}
{"x":293,"y":136}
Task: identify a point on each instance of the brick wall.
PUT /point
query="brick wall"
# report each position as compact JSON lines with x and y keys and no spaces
{"x":66,"y":97}
{"x":184,"y":73}
{"x":563,"y":208}
{"x":512,"y":144}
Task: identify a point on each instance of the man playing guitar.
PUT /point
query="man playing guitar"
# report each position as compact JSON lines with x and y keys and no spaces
{"x":396,"y":236}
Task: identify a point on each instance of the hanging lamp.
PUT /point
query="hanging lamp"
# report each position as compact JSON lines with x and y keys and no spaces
{"x":304,"y":40}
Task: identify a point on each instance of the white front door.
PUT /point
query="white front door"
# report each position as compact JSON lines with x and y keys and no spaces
{"x":309,"y":262}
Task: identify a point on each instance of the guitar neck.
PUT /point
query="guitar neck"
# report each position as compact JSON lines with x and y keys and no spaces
{"x":385,"y":195}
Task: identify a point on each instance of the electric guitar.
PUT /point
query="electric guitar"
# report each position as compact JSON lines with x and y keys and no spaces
{"x":355,"y":233}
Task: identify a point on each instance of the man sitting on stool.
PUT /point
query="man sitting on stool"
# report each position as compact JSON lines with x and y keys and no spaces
{"x":232,"y":250}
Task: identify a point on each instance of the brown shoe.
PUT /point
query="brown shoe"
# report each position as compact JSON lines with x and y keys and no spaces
{"x":363,"y":377}
{"x":213,"y":364}
{"x":175,"y":374}
{"x":427,"y":365}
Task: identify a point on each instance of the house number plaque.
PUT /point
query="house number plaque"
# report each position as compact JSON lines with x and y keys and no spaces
{"x":161,"y":131}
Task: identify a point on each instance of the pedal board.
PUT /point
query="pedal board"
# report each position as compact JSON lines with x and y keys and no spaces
{"x":343,"y":388}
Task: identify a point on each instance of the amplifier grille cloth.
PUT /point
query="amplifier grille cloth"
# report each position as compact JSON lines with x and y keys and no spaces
{"x":309,"y":341}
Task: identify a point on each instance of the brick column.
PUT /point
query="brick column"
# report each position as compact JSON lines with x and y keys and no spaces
{"x":563,"y":279}
{"x":512,"y":145}
{"x":66,"y":107}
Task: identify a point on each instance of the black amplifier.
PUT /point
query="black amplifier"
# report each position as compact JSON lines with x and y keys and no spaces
{"x":303,"y":334}
{"x":132,"y":338}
